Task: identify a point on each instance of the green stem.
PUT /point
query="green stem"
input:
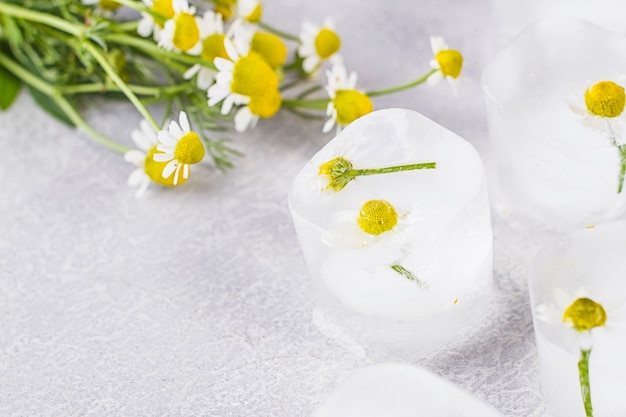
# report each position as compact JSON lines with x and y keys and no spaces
{"x":151,"y":48}
{"x":110,"y":71}
{"x":307,"y":104}
{"x":137,"y":89}
{"x":49,"y":90}
{"x":407,"y":274}
{"x":279,"y":32}
{"x":622,"y":172}
{"x":585,"y":389}
{"x":45,"y":18}
{"x":398,"y":168}
{"x":402,"y":87}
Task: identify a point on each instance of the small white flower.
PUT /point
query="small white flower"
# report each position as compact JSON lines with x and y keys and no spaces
{"x":212,"y":46}
{"x":346,"y":103}
{"x":448,"y":62}
{"x":147,"y":24}
{"x":221,"y":91}
{"x":317,"y":44}
{"x":180,"y":148}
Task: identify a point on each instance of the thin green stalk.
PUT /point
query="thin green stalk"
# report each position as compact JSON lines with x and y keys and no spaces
{"x":622,"y":172}
{"x":307,"y":104}
{"x":402,"y":87}
{"x":110,"y":71}
{"x":151,"y":48}
{"x":44,"y":18}
{"x":407,"y":274}
{"x":137,"y":89}
{"x":51,"y":91}
{"x":585,"y":389}
{"x":398,"y":168}
{"x":280,"y":33}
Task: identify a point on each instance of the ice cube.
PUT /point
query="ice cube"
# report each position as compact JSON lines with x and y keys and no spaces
{"x":558,"y":164}
{"x":414,"y":287}
{"x":588,"y":264}
{"x":398,"y":390}
{"x":510,"y":17}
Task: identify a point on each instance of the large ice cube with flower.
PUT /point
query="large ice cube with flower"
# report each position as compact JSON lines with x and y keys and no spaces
{"x":393,"y":219}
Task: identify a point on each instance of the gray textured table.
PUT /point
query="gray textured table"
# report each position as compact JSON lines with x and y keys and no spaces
{"x":197,"y":302}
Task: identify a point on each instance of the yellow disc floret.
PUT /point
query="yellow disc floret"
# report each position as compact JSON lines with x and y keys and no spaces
{"x":225,"y":7}
{"x":270,"y":47}
{"x":605,"y":99}
{"x":327,"y":43}
{"x":377,"y":216}
{"x":154,"y":170}
{"x":189,"y":149}
{"x":350,"y":105}
{"x":186,"y":32}
{"x":585,"y":314}
{"x":266,"y":104}
{"x":255,"y":15}
{"x":338,"y":172}
{"x":450,"y":62}
{"x":163,"y":8}
{"x":213,"y":47}
{"x":253,"y":76}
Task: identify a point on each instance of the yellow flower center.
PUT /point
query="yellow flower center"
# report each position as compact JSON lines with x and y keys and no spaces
{"x":186,"y":32}
{"x":327,"y":43}
{"x":189,"y":149}
{"x":377,"y":216}
{"x":265,"y":105}
{"x":163,"y":8}
{"x":213,"y":47}
{"x":154,"y":170}
{"x":255,"y":15}
{"x":270,"y":47}
{"x":605,"y":99}
{"x":451,"y":62}
{"x":585,"y":314}
{"x":253,"y":76}
{"x":225,"y":7}
{"x":338,"y":171}
{"x":350,"y":105}
{"x":109,"y":5}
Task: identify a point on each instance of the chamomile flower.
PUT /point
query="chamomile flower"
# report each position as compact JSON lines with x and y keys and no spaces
{"x":245,"y":79}
{"x":180,"y":148}
{"x":212,"y":47}
{"x":448,"y":62}
{"x":346,"y":103}
{"x":148,"y":25}
{"x":184,"y":31}
{"x":317,"y":44}
{"x":148,"y":170}
{"x":601,"y":107}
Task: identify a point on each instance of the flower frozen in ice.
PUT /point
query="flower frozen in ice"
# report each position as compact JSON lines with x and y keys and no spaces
{"x":317,"y":44}
{"x":212,"y":47}
{"x":448,"y":63}
{"x":179,"y":148}
{"x":346,"y":103}
{"x":184,"y":31}
{"x":148,"y":170}
{"x":245,"y":79}
{"x":603,"y":110}
{"x":148,"y":24}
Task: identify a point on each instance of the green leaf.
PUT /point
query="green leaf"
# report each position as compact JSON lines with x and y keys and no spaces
{"x":9,"y":88}
{"x":50,"y":106}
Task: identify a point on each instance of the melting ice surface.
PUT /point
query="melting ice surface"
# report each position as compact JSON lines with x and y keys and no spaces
{"x":443,"y":235}
{"x":395,"y":390}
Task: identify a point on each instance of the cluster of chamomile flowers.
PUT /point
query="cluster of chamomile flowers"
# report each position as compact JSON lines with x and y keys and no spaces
{"x":241,"y":69}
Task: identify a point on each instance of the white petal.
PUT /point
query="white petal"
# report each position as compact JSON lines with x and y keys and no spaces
{"x":166,"y":138}
{"x":310,"y":63}
{"x":231,"y":51}
{"x":137,"y":177}
{"x":169,"y":169}
{"x":186,"y":171}
{"x":176,"y":174}
{"x":192,"y":71}
{"x":223,"y":64}
{"x":175,"y":130}
{"x":227,"y":105}
{"x":328,"y":125}
{"x":242,"y":119}
{"x":135,"y":157}
{"x":184,"y":122}
{"x":435,"y":78}
{"x":145,"y":26}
